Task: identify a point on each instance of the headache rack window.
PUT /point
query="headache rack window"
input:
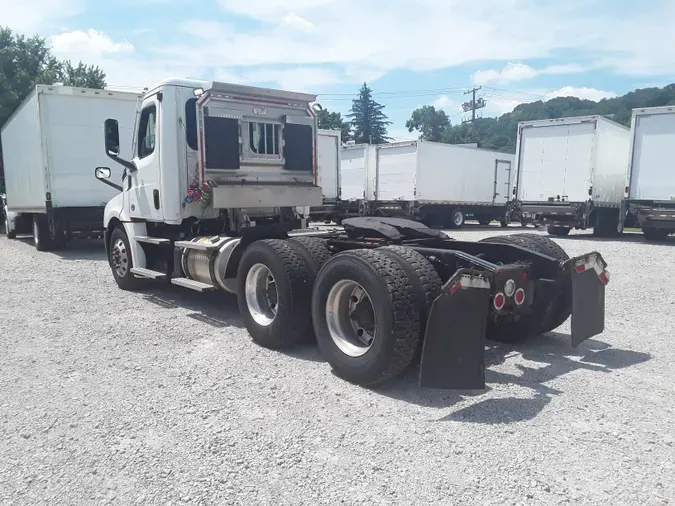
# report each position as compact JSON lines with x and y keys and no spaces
{"x":221,"y":143}
{"x":264,"y":141}
{"x":299,"y":147}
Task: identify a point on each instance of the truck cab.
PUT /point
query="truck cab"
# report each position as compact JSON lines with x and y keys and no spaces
{"x":211,"y":159}
{"x":249,"y":153}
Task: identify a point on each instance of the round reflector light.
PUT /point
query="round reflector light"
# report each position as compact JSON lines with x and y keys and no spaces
{"x":499,"y":301}
{"x":510,"y":288}
{"x":520,"y":296}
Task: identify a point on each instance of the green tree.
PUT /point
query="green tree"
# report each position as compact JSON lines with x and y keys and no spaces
{"x":334,"y":121}
{"x":430,"y":122}
{"x":368,"y":119}
{"x":24,"y":62}
{"x":82,"y":76}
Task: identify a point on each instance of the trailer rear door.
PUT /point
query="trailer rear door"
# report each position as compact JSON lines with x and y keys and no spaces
{"x":396,"y":172}
{"x":556,"y":161}
{"x":653,"y":165}
{"x":329,"y":163}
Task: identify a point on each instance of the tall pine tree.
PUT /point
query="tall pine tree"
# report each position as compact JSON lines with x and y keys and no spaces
{"x":368,"y":121}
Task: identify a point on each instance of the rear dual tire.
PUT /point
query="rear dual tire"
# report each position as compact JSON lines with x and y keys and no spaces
{"x":549,"y":311}
{"x":370,"y":311}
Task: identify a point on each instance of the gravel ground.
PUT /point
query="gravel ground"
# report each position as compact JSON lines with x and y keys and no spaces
{"x":159,"y":397}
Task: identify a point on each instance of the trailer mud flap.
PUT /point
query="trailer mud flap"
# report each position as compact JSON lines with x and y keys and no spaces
{"x":453,"y":355}
{"x":589,"y":278}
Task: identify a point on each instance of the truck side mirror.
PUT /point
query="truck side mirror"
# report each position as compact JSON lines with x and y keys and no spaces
{"x":112,"y":137}
{"x":102,"y":173}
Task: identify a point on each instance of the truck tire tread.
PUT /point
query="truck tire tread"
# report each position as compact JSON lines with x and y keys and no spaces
{"x":396,"y":295}
{"x":315,"y":253}
{"x":128,"y":282}
{"x":292,"y":279}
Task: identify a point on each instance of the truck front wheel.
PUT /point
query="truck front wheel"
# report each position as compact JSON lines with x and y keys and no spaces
{"x":273,"y":293}
{"x":366,"y":316}
{"x":119,"y":258}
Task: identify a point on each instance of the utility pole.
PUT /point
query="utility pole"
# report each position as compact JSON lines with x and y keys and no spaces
{"x":473,"y":104}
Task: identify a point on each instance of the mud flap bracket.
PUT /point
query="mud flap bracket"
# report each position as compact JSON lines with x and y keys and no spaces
{"x":453,"y":354}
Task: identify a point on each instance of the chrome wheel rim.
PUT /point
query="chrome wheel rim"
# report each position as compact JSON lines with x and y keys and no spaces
{"x":119,"y":257}
{"x":459,"y":217}
{"x":262,"y":297}
{"x":351,"y":318}
{"x":36,"y":236}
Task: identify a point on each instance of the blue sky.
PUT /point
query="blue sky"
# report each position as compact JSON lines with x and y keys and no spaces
{"x":411,"y":53}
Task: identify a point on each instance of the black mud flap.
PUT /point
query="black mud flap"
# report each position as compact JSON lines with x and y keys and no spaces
{"x":453,"y":355}
{"x":589,"y":279}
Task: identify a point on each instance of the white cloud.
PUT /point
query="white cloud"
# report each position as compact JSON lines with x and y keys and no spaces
{"x":38,"y":15}
{"x":91,"y":42}
{"x":447,"y":104}
{"x":347,"y":34}
{"x":514,"y":72}
{"x":296,"y":22}
{"x":582,"y":93}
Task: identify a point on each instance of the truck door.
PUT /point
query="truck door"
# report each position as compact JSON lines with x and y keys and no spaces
{"x":502,"y":181}
{"x":144,"y":186}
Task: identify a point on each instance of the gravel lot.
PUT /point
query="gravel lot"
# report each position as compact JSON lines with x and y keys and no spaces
{"x":159,"y":397}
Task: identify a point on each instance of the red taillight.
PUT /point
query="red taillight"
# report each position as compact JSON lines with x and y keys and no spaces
{"x":580,"y":268}
{"x":524,"y":275}
{"x":519,"y":297}
{"x":499,"y":301}
{"x":604,"y":277}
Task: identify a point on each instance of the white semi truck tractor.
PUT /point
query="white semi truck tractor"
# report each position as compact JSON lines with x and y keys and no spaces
{"x":215,"y":197}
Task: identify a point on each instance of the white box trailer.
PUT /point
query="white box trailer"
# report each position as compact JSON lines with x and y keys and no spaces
{"x":329,"y":149}
{"x":51,"y":146}
{"x":354,"y":185}
{"x":442,"y":184}
{"x":650,"y":202}
{"x":572,"y":173}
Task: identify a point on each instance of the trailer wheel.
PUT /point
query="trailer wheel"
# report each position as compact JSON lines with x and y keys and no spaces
{"x":607,"y":224}
{"x":119,"y":258}
{"x":273,"y":293}
{"x":41,"y":239}
{"x":10,"y":234}
{"x":558,"y":231}
{"x":548,"y":313}
{"x":655,"y":234}
{"x":456,"y":218}
{"x":366,"y":316}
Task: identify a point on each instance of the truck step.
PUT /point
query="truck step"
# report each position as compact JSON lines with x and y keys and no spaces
{"x":151,"y":240}
{"x":201,"y":246}
{"x":197,"y":286}
{"x":147,"y":273}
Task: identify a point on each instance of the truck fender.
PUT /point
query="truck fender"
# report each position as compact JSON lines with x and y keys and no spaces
{"x":137,"y":254}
